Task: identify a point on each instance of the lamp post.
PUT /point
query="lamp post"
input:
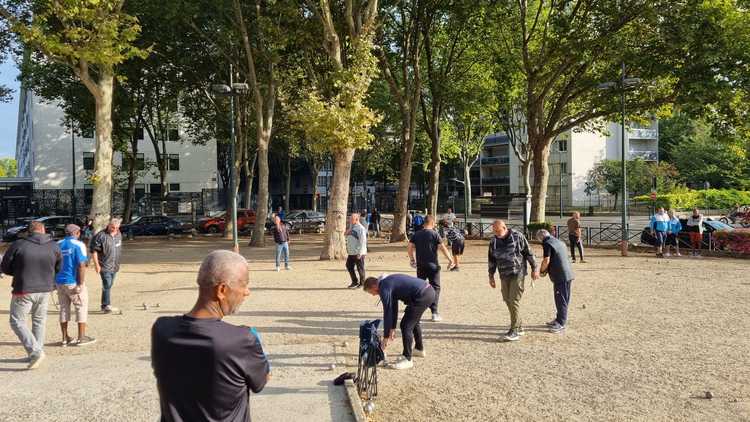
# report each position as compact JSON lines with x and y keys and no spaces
{"x":622,"y":85}
{"x":232,"y":90}
{"x":73,"y":199}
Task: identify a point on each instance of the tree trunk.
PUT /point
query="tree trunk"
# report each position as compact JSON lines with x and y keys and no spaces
{"x":467,"y":188}
{"x":130,"y":193}
{"x":250,"y":174}
{"x":541,"y":174}
{"x":288,"y":186}
{"x":261,"y":212}
{"x":434,"y":187}
{"x":315,"y":168}
{"x":101,"y":204}
{"x":526,"y":176}
{"x":398,"y":230}
{"x":334,"y":246}
{"x":163,"y":182}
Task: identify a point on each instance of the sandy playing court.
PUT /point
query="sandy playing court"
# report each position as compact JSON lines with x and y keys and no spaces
{"x":646,"y":340}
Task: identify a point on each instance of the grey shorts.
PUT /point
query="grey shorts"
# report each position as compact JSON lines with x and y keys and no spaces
{"x":67,"y":296}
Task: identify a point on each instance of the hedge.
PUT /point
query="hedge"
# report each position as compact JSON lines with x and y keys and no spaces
{"x":734,"y":241}
{"x":709,"y":198}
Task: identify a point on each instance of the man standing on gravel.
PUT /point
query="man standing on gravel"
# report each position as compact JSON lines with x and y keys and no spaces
{"x":107,"y":248}
{"x":356,"y":248}
{"x":281,"y":238}
{"x":508,"y":254}
{"x":423,"y":248}
{"x":555,"y":263}
{"x":417,"y":295}
{"x":33,"y":262}
{"x":205,"y":367}
{"x":574,"y":236}
{"x":659,"y":227}
{"x":71,"y":289}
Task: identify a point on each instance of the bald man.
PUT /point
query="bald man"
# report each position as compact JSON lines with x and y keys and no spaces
{"x":205,"y":367}
{"x":508,"y":254}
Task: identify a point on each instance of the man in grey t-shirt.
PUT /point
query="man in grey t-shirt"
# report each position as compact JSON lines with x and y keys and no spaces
{"x":556,"y":264}
{"x":107,"y":247}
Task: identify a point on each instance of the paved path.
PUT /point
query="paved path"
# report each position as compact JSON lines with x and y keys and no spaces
{"x":106,"y":386}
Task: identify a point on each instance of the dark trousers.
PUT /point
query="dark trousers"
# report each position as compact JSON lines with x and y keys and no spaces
{"x":351,"y":262}
{"x":433,"y":277}
{"x":562,"y":301}
{"x":575,"y":241}
{"x":411,"y":329}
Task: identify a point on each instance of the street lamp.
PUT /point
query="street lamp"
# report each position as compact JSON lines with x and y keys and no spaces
{"x":466,"y":202}
{"x":232,"y":90}
{"x":622,"y":85}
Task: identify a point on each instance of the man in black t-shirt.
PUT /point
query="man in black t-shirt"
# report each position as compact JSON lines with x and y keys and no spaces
{"x":556,"y":264}
{"x":423,"y":247}
{"x":205,"y":367}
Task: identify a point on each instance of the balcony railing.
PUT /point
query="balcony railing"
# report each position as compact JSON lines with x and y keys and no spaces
{"x":495,"y":160}
{"x":644,"y":155}
{"x":496,"y":140}
{"x":498,"y":180}
{"x":639,"y":133}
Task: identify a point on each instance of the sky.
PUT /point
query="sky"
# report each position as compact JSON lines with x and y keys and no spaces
{"x":9,"y":111}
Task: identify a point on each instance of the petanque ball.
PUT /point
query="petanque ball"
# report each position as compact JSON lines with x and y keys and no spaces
{"x":333,"y":367}
{"x":709,"y":395}
{"x":369,"y":407}
{"x":346,"y":344}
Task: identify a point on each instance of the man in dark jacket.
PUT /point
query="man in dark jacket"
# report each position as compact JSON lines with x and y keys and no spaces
{"x":417,"y":294}
{"x":33,"y":262}
{"x":508,"y":254}
{"x":556,"y":264}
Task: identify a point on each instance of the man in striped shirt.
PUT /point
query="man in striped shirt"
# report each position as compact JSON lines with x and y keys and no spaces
{"x":456,"y":238}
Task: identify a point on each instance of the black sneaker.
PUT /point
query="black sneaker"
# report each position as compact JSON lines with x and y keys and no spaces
{"x":84,"y":341}
{"x":551,"y":323}
{"x":454,"y":269}
{"x":512,"y":336}
{"x":353,"y":286}
{"x":557,"y":328}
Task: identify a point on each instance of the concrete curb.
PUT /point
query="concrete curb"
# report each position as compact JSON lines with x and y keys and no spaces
{"x":355,"y":402}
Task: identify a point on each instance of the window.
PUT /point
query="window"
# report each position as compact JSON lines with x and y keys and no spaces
{"x":564,"y":168}
{"x":174,"y":187}
{"x":88,"y":160}
{"x":88,"y":193}
{"x":155,"y":189}
{"x":140,"y":190}
{"x":562,"y":145}
{"x":321,"y":180}
{"x":138,"y":133}
{"x":140,"y":162}
{"x":174,"y":135}
{"x":173,"y":162}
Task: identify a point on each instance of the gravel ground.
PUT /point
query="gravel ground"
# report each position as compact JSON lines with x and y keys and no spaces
{"x":652,"y":338}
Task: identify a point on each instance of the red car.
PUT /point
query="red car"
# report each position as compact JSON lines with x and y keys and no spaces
{"x":217,"y":223}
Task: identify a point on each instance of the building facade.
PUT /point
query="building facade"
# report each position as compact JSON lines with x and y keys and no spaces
{"x":49,"y":155}
{"x":572,"y":155}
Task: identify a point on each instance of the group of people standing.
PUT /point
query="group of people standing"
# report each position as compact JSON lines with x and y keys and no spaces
{"x":666,"y":226}
{"x":40,"y":266}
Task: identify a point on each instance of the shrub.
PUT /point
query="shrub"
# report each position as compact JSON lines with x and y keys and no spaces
{"x":734,"y":241}
{"x":709,"y":198}
{"x":535,"y":226}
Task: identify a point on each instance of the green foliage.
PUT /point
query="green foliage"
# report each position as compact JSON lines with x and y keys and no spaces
{"x":8,"y":167}
{"x":539,"y":225}
{"x":607,"y":175}
{"x":342,"y":120}
{"x":710,"y":198}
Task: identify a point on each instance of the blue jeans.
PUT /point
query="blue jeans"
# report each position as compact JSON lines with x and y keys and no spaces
{"x":282,"y":248}
{"x":108,"y":280}
{"x":23,"y":305}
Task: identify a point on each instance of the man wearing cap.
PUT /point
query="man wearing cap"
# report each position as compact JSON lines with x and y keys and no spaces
{"x":556,"y":264}
{"x":71,"y":289}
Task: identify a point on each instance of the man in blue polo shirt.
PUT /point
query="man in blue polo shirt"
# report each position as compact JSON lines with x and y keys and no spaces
{"x":71,"y":289}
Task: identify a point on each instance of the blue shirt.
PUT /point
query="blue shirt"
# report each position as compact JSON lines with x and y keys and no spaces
{"x":659,"y":222}
{"x":675,"y":226}
{"x":73,"y":255}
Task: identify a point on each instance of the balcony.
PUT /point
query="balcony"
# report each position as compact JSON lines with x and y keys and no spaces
{"x":644,"y":155}
{"x":639,"y":133}
{"x":495,"y":160}
{"x":497,"y":139}
{"x":497,"y":180}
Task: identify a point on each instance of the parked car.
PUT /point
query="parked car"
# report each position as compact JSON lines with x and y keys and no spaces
{"x":53,"y":225}
{"x":305,"y":220}
{"x":154,"y":225}
{"x":709,"y":227}
{"x":217,"y":223}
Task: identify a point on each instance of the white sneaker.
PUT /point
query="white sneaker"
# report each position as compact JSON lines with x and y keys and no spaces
{"x":667,"y":254}
{"x":678,"y":254}
{"x":35,"y":361}
{"x":403,"y":364}
{"x":419,"y":353}
{"x":289,"y":267}
{"x":278,"y":269}
{"x":436,"y":318}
